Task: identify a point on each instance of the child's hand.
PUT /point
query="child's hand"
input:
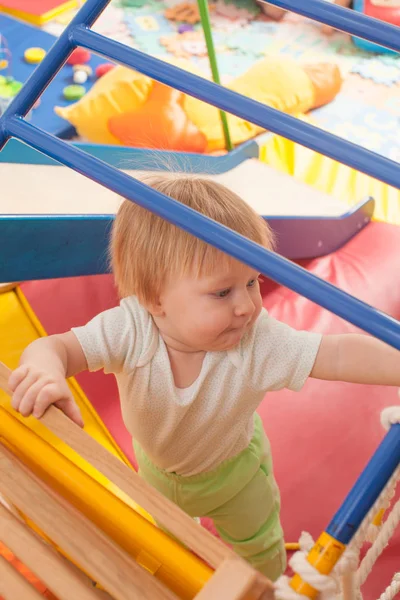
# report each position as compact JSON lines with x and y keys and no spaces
{"x":35,"y":390}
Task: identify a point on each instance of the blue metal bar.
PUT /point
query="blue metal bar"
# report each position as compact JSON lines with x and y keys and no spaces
{"x":367,"y":488}
{"x":272,"y":265}
{"x":50,"y":65}
{"x":269,"y":118}
{"x":345,"y":19}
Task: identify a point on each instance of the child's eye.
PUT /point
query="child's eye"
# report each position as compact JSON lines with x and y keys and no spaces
{"x":252,"y":282}
{"x":222,"y":293}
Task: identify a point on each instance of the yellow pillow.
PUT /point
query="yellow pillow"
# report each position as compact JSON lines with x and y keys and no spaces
{"x":280,"y":83}
{"x":121,"y":90}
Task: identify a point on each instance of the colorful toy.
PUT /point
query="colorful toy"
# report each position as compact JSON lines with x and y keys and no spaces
{"x":34,"y":56}
{"x":37,"y":12}
{"x":81,"y":73}
{"x":384,"y":10}
{"x":5,"y":53}
{"x":79,"y":56}
{"x":103,"y":69}
{"x":16,"y":37}
{"x":74,"y":92}
{"x":277,"y":82}
{"x":9,"y":87}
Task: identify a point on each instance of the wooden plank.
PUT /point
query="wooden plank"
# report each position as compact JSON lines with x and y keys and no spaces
{"x":235,"y":580}
{"x":64,"y":581}
{"x":101,"y":558}
{"x":165,"y":512}
{"x":13,"y":586}
{"x":7,"y":287}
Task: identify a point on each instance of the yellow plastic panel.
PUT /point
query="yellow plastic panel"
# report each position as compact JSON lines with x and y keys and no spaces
{"x":80,"y":483}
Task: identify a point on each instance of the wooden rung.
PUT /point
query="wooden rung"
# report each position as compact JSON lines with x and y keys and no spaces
{"x":165,"y":512}
{"x":4,"y":376}
{"x":7,"y":287}
{"x":41,"y":559}
{"x":100,"y":557}
{"x":236,"y":580}
{"x":13,"y":586}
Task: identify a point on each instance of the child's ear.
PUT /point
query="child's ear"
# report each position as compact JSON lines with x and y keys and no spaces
{"x":156,"y":308}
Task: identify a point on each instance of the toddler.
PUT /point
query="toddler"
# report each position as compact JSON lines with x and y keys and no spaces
{"x":194,"y":352}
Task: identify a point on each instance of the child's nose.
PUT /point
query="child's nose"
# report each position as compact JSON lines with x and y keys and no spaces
{"x":245,"y":307}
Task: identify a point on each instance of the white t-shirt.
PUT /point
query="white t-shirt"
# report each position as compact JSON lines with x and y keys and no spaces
{"x":193,"y":431}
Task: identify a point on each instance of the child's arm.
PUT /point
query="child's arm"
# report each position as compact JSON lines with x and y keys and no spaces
{"x":357,"y":359}
{"x":40,"y":379}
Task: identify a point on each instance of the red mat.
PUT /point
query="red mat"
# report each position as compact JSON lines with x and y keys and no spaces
{"x":321,"y":437}
{"x":33,"y":7}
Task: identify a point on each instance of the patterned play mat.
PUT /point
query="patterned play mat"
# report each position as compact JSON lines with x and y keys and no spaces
{"x":366,"y":111}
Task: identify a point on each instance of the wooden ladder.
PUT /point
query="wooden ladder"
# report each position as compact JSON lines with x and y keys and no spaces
{"x":118,"y":574}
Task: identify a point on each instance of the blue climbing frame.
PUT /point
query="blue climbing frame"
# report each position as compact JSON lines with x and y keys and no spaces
{"x":78,"y":33}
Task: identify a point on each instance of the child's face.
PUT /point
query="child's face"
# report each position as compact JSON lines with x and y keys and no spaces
{"x":209,"y":312}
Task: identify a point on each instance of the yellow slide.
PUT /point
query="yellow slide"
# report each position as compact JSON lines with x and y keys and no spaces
{"x":19,"y":326}
{"x":80,"y":483}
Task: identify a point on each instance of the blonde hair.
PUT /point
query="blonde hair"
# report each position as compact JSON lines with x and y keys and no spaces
{"x":146,"y":250}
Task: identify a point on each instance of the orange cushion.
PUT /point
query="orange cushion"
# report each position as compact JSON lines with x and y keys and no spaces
{"x":161,"y":123}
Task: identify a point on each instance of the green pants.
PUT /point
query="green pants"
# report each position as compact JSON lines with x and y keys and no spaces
{"x":240,"y":496}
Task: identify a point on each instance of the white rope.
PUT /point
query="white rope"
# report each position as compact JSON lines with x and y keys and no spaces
{"x":306,"y":541}
{"x":349,"y":586}
{"x":349,"y":561}
{"x":346,"y":568}
{"x":384,"y":502}
{"x":380,"y":544}
{"x":390,"y":416}
{"x":367,"y":530}
{"x":392,"y":589}
{"x":326,"y":585}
